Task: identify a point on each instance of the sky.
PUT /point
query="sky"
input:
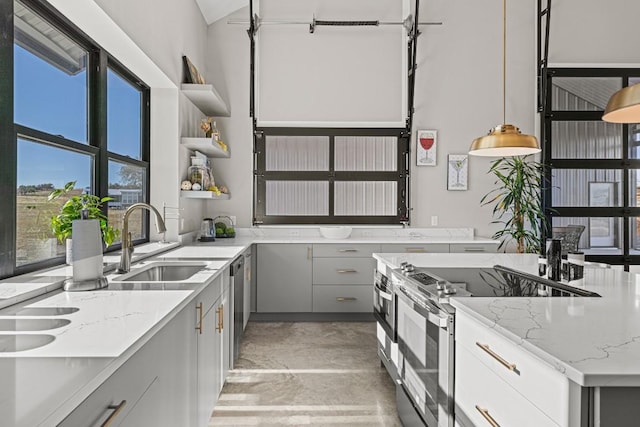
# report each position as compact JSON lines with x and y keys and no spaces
{"x":50,"y":100}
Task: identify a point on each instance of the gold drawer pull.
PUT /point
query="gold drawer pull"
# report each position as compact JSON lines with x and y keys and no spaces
{"x":345,"y":299}
{"x":199,"y":327}
{"x":114,"y":414}
{"x":509,"y":366}
{"x":347,"y":250}
{"x":220,"y":311}
{"x":414,"y":250}
{"x":474,"y":249}
{"x":346,"y":270}
{"x":487,"y":416}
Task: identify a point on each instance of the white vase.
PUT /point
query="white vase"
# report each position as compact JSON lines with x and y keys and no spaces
{"x":69,"y":251}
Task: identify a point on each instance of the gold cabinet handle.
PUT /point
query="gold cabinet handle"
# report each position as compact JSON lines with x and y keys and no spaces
{"x":346,"y":270}
{"x":474,"y":249}
{"x":199,"y":327}
{"x":344,"y":299}
{"x":114,"y":414}
{"x":487,"y":416}
{"x":509,"y":366}
{"x":347,"y":250}
{"x":220,"y":311}
{"x":414,"y":250}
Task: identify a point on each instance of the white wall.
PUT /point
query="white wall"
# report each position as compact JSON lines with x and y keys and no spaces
{"x":458,"y":93}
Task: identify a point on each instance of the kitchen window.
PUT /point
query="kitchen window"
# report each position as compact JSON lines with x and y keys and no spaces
{"x":330,"y":176}
{"x":70,"y":112}
{"x":593,"y":165}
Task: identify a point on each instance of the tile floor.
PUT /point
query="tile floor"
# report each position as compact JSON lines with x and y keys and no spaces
{"x":307,"y":373}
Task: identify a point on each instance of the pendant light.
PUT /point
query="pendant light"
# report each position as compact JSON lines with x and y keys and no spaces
{"x":504,"y":140}
{"x":624,"y":106}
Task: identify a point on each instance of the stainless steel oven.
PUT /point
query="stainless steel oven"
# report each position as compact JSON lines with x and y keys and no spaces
{"x":425,"y":359}
{"x":385,"y":314}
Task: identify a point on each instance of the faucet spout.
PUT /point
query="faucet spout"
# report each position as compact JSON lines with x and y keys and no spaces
{"x":127,"y":244}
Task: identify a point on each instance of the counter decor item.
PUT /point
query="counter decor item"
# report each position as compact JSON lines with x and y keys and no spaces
{"x":225,"y":228}
{"x":191,"y":73}
{"x":62,"y":223}
{"x":517,"y":205}
{"x":554,"y":259}
{"x":335,"y":232}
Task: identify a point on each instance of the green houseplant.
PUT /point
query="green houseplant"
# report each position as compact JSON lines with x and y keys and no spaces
{"x":61,"y":224}
{"x":518,"y":202}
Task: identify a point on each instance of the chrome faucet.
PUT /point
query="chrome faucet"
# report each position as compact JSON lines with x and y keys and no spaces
{"x":127,"y":245}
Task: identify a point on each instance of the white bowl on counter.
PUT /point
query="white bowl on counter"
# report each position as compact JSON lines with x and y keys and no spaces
{"x":335,"y":232}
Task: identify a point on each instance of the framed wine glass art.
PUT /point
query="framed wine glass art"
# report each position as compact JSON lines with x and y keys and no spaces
{"x":457,"y":171}
{"x":426,"y":144}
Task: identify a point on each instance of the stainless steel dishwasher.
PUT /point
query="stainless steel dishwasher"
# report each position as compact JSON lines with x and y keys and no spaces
{"x":237,"y":285}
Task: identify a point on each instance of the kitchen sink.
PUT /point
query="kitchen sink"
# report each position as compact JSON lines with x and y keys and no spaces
{"x":21,"y":325}
{"x":13,"y":343}
{"x":40,"y":311}
{"x":162,"y":272}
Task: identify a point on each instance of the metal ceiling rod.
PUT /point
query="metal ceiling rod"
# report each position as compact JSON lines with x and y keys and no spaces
{"x":258,"y":22}
{"x":544,"y":20}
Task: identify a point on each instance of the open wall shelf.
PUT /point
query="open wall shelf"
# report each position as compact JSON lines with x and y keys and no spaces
{"x":206,"y":146}
{"x":206,"y":98}
{"x":209,"y":195}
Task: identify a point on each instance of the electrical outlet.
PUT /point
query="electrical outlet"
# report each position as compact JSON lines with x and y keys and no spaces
{"x":294,"y":233}
{"x":366,"y":233}
{"x":434,"y":220}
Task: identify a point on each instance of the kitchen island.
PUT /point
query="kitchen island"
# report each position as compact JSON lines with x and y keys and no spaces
{"x":582,"y":353}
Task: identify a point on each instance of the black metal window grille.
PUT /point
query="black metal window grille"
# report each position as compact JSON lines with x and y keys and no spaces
{"x":600,"y":170}
{"x":98,"y":63}
{"x":335,"y":190}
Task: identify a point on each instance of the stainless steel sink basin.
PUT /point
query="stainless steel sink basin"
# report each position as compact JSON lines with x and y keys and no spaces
{"x":20,"y":325}
{"x":162,"y":272}
{"x":13,"y":343}
{"x":40,"y":311}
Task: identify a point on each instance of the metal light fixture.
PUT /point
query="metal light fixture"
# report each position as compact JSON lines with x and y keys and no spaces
{"x":504,"y":140}
{"x":624,"y":106}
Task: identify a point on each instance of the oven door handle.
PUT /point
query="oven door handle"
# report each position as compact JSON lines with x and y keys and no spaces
{"x":426,"y":309}
{"x":383,"y":294}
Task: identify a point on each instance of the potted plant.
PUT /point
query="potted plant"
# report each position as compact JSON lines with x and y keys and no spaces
{"x":61,"y":224}
{"x":518,"y":204}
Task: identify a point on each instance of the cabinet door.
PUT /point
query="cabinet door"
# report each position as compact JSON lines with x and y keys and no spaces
{"x":227,"y":337}
{"x":473,"y":247}
{"x":284,"y":278}
{"x":209,"y":365}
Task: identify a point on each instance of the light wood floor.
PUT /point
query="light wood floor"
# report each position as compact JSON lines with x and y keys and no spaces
{"x":307,"y":373}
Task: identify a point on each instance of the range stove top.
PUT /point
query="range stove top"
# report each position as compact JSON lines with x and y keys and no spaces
{"x":440,"y":284}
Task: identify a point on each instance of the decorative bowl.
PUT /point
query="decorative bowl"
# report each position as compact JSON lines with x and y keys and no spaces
{"x":335,"y":232}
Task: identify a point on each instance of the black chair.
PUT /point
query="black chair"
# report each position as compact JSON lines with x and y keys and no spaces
{"x":570,"y":236}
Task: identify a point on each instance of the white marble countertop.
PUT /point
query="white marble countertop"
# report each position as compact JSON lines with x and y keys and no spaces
{"x":593,"y":341}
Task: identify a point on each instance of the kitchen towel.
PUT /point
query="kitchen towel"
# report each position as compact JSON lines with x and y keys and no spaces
{"x":87,"y":250}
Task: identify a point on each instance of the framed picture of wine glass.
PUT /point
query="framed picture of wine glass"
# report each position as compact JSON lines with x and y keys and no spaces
{"x":457,"y":172}
{"x":426,"y":145}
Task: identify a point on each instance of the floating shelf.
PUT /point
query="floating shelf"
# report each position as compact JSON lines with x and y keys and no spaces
{"x":206,"y":146}
{"x":206,"y":98}
{"x":209,"y":195}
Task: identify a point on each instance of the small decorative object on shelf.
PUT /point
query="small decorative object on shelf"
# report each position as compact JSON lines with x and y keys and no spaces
{"x":196,"y":187}
{"x":186,"y":185}
{"x":207,"y":128}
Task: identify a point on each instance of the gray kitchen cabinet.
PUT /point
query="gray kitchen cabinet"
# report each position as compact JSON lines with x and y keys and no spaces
{"x":344,"y":250}
{"x":473,"y":247}
{"x":342,"y":298}
{"x":284,"y":278}
{"x":343,"y":271}
{"x":153,"y":387}
{"x":417,"y":248}
{"x":209,"y":355}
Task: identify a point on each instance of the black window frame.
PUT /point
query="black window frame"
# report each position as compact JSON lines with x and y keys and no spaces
{"x":98,"y":62}
{"x":625,"y":163}
{"x":400,"y":175}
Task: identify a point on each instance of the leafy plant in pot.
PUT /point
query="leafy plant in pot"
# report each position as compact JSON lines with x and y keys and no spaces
{"x":518,"y":204}
{"x":61,"y":224}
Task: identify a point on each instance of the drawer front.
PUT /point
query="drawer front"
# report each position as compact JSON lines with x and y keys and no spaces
{"x":472,"y":247}
{"x":415,"y":248}
{"x":479,"y":389}
{"x":210,"y":294}
{"x":540,"y":383}
{"x":343,"y":299}
{"x":353,"y":251}
{"x":343,"y":271}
